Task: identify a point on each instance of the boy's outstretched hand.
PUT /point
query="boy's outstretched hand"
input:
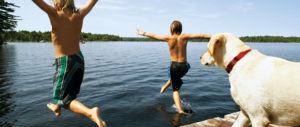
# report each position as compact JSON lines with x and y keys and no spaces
{"x":139,"y":32}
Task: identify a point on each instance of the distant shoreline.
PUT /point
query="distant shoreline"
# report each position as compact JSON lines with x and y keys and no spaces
{"x":34,"y":36}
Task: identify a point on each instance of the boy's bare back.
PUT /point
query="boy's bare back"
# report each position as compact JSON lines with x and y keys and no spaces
{"x":177,"y":47}
{"x":66,"y":26}
{"x":65,"y":34}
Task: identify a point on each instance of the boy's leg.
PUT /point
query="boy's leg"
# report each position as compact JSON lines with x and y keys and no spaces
{"x":55,"y":108}
{"x":176,"y":98}
{"x":163,"y":88}
{"x":93,"y":114}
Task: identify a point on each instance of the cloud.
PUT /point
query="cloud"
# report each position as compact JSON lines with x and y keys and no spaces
{"x":114,"y":5}
{"x":206,"y":16}
{"x":113,"y":1}
{"x":153,"y":10}
{"x":111,"y":7}
{"x":147,"y":8}
{"x":244,"y":7}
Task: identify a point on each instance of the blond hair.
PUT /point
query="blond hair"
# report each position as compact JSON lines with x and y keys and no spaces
{"x":65,"y":4}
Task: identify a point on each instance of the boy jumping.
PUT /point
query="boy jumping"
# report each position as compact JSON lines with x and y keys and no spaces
{"x":179,"y":66}
{"x":66,"y":23}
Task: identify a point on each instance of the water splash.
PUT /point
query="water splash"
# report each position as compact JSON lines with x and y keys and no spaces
{"x":186,"y":106}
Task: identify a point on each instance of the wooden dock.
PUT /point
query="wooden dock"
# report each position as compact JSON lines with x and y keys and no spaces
{"x":227,"y":121}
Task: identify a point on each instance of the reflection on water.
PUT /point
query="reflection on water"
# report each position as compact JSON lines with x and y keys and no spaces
{"x":173,"y":118}
{"x":7,"y":70}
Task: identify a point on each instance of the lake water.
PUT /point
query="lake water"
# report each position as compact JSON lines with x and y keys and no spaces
{"x":123,"y":79}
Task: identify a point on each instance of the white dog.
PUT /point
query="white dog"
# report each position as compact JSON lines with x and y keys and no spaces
{"x":267,"y":89}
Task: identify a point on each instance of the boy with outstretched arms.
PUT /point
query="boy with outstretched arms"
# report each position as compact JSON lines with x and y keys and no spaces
{"x":179,"y":66}
{"x":66,"y":23}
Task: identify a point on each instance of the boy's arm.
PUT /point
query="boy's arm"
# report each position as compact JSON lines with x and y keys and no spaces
{"x":45,"y":7}
{"x":87,"y":8}
{"x":196,"y":36}
{"x":161,"y":38}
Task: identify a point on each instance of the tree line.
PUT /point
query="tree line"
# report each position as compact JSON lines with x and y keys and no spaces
{"x":245,"y":39}
{"x":269,"y":39}
{"x":37,"y":36}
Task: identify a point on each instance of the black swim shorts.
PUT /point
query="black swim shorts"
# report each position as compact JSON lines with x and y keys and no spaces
{"x":176,"y":71}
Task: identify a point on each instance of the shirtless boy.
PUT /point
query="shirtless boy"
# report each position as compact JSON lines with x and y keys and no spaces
{"x":179,"y":66}
{"x":66,"y":23}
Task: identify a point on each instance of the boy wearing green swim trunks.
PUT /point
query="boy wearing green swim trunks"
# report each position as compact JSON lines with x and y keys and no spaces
{"x":179,"y":66}
{"x":66,"y":23}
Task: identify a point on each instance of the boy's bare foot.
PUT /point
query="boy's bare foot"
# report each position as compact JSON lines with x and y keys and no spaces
{"x":95,"y":117}
{"x":183,"y":113}
{"x":54,"y":108}
{"x":180,"y":111}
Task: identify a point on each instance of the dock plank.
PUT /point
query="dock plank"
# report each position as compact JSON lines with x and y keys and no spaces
{"x":227,"y":121}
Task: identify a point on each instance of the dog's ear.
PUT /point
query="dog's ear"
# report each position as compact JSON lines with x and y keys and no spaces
{"x":218,"y":40}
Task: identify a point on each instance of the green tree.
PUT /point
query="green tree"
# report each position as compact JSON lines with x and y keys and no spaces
{"x":7,"y":20}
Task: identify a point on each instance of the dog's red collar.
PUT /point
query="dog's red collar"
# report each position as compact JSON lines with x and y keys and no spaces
{"x":236,"y":59}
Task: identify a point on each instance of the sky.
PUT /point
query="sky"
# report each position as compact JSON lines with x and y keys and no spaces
{"x":123,"y":17}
